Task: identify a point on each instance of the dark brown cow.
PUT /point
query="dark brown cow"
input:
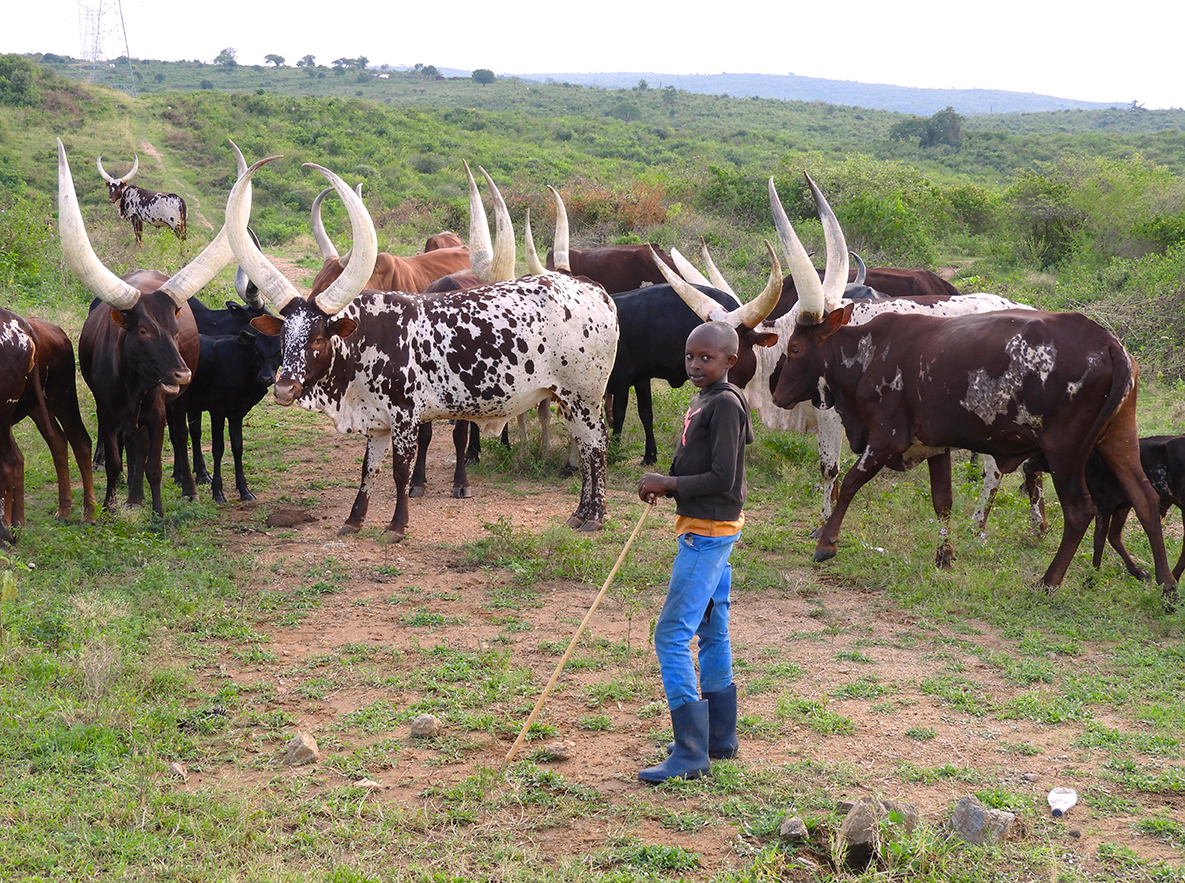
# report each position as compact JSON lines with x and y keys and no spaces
{"x":391,"y":273}
{"x":617,"y":268}
{"x":18,"y":362}
{"x":1012,"y":384}
{"x":888,"y":281}
{"x":142,"y":206}
{"x":137,"y":353}
{"x":61,"y":425}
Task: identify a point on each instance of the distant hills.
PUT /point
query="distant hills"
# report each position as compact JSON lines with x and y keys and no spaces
{"x":902,"y":99}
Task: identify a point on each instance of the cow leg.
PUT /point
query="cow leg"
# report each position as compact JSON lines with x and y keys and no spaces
{"x":154,"y":467}
{"x":859,"y":475}
{"x":80,"y":442}
{"x":942,"y":496}
{"x":8,"y":479}
{"x":987,"y":494}
{"x":235,"y":428}
{"x":138,"y":227}
{"x":473,"y":454}
{"x":505,"y":437}
{"x":175,"y":419}
{"x":1078,"y":509}
{"x":460,"y":473}
{"x":376,"y":445}
{"x":829,"y":440}
{"x":419,"y":475}
{"x":55,"y":439}
{"x":1102,"y":526}
{"x":1177,"y":571}
{"x":112,"y":464}
{"x":1115,"y":537}
{"x":1035,"y":486}
{"x":646,"y":415}
{"x":217,"y":449}
{"x":589,"y":434}
{"x":402,"y":453}
{"x":523,"y":437}
{"x":200,"y":475}
{"x":544,"y":411}
{"x":1120,"y":447}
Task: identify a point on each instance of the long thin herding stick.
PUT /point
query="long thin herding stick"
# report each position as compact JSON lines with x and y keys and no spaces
{"x":576,"y":637}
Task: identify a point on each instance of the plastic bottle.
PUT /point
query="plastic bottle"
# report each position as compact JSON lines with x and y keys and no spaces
{"x":1061,"y":799}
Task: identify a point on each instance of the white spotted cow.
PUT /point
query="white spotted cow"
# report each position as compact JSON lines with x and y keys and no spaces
{"x":142,"y":206}
{"x":381,"y":363}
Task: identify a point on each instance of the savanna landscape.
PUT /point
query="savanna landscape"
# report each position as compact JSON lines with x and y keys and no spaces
{"x":154,"y":670}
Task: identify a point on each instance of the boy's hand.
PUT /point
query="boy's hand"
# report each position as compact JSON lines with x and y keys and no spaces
{"x":652,"y":485}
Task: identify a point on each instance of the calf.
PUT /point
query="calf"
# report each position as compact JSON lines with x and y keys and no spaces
{"x":142,"y":206}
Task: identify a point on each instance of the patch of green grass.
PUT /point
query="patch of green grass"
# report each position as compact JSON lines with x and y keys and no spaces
{"x":920,"y":734}
{"x":815,"y":715}
{"x":864,"y":688}
{"x":968,"y":697}
{"x":597,"y":723}
{"x":854,"y":656}
{"x":1167,"y":830}
{"x":910,"y":772}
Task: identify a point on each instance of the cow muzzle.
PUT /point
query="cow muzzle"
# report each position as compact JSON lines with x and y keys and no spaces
{"x":287,"y":391}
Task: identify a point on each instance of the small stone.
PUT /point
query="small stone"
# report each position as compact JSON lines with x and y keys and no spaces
{"x":426,"y":726}
{"x":369,"y":784}
{"x":1075,"y":833}
{"x":794,"y":829}
{"x":1031,"y":777}
{"x":975,"y":823}
{"x":302,"y":750}
{"x":177,"y":771}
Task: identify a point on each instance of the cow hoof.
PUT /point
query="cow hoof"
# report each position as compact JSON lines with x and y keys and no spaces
{"x":471,"y":459}
{"x":346,"y":529}
{"x":823,"y":554}
{"x":220,"y":497}
{"x":590,"y":525}
{"x":650,"y":459}
{"x":391,"y":536}
{"x":944,"y":557}
{"x":575,"y":522}
{"x":462,"y":493}
{"x":246,"y":496}
{"x":816,"y":533}
{"x":1169,"y":599}
{"x":1141,"y":574}
{"x":416,"y":491}
{"x":200,"y":478}
{"x":192,"y":498}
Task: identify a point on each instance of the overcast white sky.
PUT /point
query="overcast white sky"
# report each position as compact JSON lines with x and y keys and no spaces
{"x":1131,"y":52}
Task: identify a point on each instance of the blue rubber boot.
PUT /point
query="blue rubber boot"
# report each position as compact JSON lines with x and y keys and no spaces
{"x":689,"y":760}
{"x":722,"y":724}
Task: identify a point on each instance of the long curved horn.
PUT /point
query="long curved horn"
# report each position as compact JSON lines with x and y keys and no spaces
{"x":324,"y":243}
{"x":504,"y":252}
{"x":861,"y":270}
{"x":835,"y":277}
{"x":559,"y":252}
{"x":687,"y":269}
{"x":345,"y":259}
{"x":718,"y":280}
{"x":357,"y":273}
{"x":125,"y":178}
{"x":481,"y":250}
{"x":272,"y":283}
{"x":534,"y":267}
{"x":247,"y":290}
{"x":811,"y":303}
{"x":754,"y":312}
{"x":699,"y":303}
{"x":76,"y":247}
{"x":240,"y":162}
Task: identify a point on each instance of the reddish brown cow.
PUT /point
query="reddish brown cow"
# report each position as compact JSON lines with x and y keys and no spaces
{"x":391,"y":273}
{"x":60,"y":424}
{"x":443,"y":239}
{"x":1012,"y":384}
{"x":18,"y":359}
{"x":617,"y":268}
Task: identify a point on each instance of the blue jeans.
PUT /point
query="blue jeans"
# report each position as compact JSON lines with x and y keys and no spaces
{"x":697,"y":604}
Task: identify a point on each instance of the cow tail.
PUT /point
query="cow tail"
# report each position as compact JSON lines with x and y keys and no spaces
{"x":1123,"y":382}
{"x":39,"y":390}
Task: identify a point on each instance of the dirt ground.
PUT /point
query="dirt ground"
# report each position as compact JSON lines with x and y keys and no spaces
{"x":782,"y":621}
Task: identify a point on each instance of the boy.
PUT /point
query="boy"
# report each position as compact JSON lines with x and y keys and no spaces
{"x":707,"y":481}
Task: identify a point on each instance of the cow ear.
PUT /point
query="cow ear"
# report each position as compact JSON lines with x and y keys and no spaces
{"x":119,"y":319}
{"x":269,"y":325}
{"x":342,"y":327}
{"x":236,"y":309}
{"x":765,"y":338}
{"x":246,"y":336}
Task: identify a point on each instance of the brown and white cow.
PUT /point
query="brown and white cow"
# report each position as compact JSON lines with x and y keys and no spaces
{"x":142,"y":206}
{"x":381,"y":363}
{"x":1012,"y":384}
{"x":391,"y":273}
{"x":18,"y":371}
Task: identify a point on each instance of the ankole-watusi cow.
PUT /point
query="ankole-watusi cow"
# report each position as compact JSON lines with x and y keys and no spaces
{"x":137,"y":351}
{"x":1012,"y":384}
{"x":381,"y":363}
{"x":142,"y":206}
{"x":18,"y":371}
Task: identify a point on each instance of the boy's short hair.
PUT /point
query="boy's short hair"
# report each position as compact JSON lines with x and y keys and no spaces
{"x":722,"y":334}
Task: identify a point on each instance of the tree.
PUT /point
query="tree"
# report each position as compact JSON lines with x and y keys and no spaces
{"x":361,"y":62}
{"x":307,"y":61}
{"x":668,"y":99}
{"x":483,"y":75}
{"x":272,"y":58}
{"x":429,"y":72}
{"x":945,"y":127}
{"x":227,"y":57}
{"x":642,"y":86}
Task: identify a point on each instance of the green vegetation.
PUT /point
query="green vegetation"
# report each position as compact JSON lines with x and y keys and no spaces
{"x":140,"y":642}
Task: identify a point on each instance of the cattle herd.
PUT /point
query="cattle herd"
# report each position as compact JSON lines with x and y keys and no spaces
{"x":898,"y":361}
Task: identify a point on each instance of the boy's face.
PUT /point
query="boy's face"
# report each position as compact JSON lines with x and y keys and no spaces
{"x":706,"y":360}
